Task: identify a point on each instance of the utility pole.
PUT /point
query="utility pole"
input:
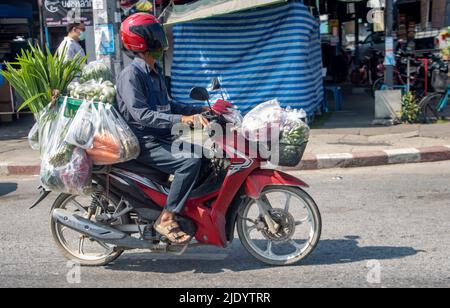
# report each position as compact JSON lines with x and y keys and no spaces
{"x":389,"y":57}
{"x":356,"y":4}
{"x":107,"y":34}
{"x":41,"y":26}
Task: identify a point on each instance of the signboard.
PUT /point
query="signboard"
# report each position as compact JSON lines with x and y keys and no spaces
{"x":104,"y":40}
{"x":60,"y":13}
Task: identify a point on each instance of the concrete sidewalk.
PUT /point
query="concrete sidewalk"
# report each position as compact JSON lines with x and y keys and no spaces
{"x":334,"y":144}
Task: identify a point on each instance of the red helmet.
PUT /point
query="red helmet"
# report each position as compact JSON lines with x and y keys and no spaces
{"x":142,"y":32}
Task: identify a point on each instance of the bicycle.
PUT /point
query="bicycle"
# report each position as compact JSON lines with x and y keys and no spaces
{"x":434,"y":107}
{"x":402,"y":72}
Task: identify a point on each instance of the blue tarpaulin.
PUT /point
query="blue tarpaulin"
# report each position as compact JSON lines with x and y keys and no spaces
{"x":259,"y":55}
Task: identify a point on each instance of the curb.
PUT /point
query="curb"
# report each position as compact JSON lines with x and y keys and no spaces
{"x":319,"y":161}
{"x":13,"y":169}
{"x":373,"y":158}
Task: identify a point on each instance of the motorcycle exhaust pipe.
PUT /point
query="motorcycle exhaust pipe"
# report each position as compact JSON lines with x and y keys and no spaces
{"x":101,"y":232}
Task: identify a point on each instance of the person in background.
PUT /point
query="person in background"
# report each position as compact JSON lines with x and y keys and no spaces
{"x":76,"y":33}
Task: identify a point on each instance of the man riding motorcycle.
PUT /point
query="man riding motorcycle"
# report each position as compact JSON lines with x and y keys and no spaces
{"x":144,"y":103}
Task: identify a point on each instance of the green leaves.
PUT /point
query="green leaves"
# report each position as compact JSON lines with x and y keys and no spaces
{"x":36,"y":73}
{"x":410,"y":108}
{"x":31,"y":100}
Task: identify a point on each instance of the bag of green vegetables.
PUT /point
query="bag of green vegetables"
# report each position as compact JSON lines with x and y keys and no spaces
{"x":64,"y":167}
{"x":97,"y":71}
{"x":93,"y":90}
{"x":294,"y":136}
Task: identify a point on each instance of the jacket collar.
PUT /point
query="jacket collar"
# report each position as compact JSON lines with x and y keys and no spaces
{"x":144,"y":67}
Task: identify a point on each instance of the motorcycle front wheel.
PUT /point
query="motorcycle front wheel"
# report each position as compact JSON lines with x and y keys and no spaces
{"x":300,"y":226}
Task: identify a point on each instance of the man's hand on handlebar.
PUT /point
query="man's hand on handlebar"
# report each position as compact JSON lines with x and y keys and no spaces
{"x":195,"y":121}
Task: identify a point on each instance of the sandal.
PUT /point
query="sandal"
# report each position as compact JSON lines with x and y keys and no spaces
{"x":173,"y":232}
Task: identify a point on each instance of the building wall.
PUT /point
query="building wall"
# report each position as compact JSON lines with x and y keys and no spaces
{"x":439,"y":13}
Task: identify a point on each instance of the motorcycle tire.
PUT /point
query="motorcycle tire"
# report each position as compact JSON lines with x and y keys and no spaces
{"x":309,"y":203}
{"x":60,"y":203}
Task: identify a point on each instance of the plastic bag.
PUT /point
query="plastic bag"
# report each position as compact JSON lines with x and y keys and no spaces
{"x":294,"y":136}
{"x":293,"y":130}
{"x":76,"y":176}
{"x":114,"y":142}
{"x":82,"y":130}
{"x":97,"y":71}
{"x":73,"y":178}
{"x":130,"y":143}
{"x":64,"y":167}
{"x":33,"y":137}
{"x":259,"y":122}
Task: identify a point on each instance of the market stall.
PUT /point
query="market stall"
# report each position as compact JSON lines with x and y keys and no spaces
{"x":16,"y":28}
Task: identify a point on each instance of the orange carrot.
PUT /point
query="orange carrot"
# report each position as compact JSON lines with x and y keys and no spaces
{"x":108,"y":141}
{"x":100,"y":146}
{"x":103,"y":156}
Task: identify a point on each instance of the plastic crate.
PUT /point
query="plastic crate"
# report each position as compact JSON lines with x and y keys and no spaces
{"x":72,"y":105}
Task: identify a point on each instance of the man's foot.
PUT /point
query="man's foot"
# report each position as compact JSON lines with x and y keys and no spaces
{"x":167,"y":226}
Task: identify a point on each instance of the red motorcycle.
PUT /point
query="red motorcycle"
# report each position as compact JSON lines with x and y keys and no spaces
{"x":276,"y":220}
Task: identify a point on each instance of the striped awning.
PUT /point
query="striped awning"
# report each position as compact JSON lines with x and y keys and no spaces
{"x":210,"y":8}
{"x":259,"y":55}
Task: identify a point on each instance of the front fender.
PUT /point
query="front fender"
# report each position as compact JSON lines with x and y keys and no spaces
{"x":261,"y":178}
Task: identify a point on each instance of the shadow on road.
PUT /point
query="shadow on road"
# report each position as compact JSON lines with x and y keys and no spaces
{"x":236,"y":259}
{"x":7,"y":188}
{"x":347,"y":250}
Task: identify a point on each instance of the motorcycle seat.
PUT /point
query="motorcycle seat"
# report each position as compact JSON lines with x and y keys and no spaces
{"x":146,"y":171}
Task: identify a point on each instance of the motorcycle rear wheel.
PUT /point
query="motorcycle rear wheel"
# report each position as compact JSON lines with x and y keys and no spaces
{"x":110,"y":254}
{"x":285,"y":247}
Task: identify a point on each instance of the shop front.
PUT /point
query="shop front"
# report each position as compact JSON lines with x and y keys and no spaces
{"x":19,"y":25}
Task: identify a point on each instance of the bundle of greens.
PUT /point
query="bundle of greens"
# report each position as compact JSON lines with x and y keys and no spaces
{"x":36,"y":74}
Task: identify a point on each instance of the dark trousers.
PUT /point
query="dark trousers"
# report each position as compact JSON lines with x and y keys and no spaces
{"x":158,"y":154}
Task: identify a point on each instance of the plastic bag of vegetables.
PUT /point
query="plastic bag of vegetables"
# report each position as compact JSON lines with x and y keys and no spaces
{"x":76,"y":176}
{"x":282,"y":129}
{"x":97,"y":71}
{"x":259,"y":124}
{"x":82,"y":130}
{"x":53,"y":128}
{"x":92,"y":90}
{"x":293,"y":130}
{"x":113,"y":141}
{"x":294,"y":136}
{"x":33,"y":137}
{"x":64,"y":167}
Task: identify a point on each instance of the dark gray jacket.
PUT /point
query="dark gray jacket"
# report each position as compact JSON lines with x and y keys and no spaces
{"x":144,"y":102}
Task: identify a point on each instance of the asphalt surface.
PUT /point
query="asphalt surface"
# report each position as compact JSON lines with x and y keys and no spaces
{"x":382,"y":227}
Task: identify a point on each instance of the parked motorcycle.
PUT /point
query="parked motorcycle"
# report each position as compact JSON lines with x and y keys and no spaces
{"x":276,"y":220}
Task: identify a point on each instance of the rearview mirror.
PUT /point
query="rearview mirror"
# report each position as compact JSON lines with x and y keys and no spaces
{"x":199,"y":94}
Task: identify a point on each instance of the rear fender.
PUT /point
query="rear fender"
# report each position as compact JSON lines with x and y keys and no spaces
{"x":261,"y":178}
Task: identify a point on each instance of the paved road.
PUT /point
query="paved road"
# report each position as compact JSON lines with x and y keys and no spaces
{"x":398,"y":216}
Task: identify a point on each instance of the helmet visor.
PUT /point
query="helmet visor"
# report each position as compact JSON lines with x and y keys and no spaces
{"x":154,"y":36}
